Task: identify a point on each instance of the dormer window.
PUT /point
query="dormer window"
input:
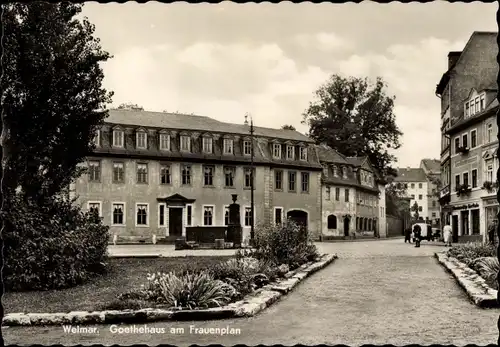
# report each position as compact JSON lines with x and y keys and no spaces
{"x":141,"y":139}
{"x":277,"y":151}
{"x":228,"y":146}
{"x":207,"y":145}
{"x":290,"y":152}
{"x":335,"y":170}
{"x":185,"y":143}
{"x":247,"y":147}
{"x":97,"y":138}
{"x":344,"y":172}
{"x":117,"y":138}
{"x":303,"y":153}
{"x":325,"y":170}
{"x":165,"y":142}
{"x":474,"y":105}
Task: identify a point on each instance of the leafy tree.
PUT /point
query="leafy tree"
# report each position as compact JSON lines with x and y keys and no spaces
{"x":356,"y":118}
{"x":52,"y":96}
{"x":414,"y":209}
{"x":395,"y":203}
{"x":288,"y":127}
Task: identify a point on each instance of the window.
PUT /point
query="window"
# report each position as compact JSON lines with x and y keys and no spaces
{"x":433,"y":214}
{"x":337,"y":194}
{"x":95,"y":207}
{"x":118,"y":172}
{"x":335,"y":170}
{"x":207,"y":145}
{"x":165,"y":174}
{"x":481,"y":102}
{"x":161,"y":215}
{"x":141,"y":214}
{"x":489,"y":132}
{"x":464,"y":140}
{"x":457,"y":180}
{"x":208,"y":175}
{"x":489,"y":172}
{"x":97,"y":138}
{"x":248,"y":178}
{"x":420,"y":185}
{"x":420,"y":197}
{"x":474,"y":178}
{"x":473,"y":138}
{"x":117,"y":138}
{"x":186,"y":175}
{"x":248,"y":216}
{"x":413,"y":196}
{"x":208,"y":215}
{"x":189,"y":215}
{"x":165,"y":142}
{"x":327,"y":197}
{"x":303,"y":153}
{"x":332,"y":222}
{"x":457,"y":144}
{"x":118,"y":214}
{"x":141,"y":139}
{"x":434,"y":204}
{"x":226,"y":215}
{"x":346,"y":192}
{"x":344,"y":172}
{"x":466,"y":109}
{"x":278,"y":213}
{"x":292,"y":175}
{"x":466,"y":179}
{"x":94,"y":171}
{"x":228,"y":146}
{"x":420,"y":209}
{"x":290,"y":152}
{"x":247,"y":147}
{"x":305,"y":182}
{"x":142,"y":173}
{"x":276,"y":151}
{"x":185,"y":143}
{"x":412,"y":185}
{"x":229,"y":173}
{"x":278,"y":180}
{"x":477,"y":104}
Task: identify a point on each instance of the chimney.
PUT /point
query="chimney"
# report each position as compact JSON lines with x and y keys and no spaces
{"x":453,"y":58}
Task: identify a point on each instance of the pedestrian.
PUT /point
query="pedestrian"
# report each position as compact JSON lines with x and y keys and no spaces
{"x":447,"y":235}
{"x":492,"y":230}
{"x":416,"y":234}
{"x":408,"y":235}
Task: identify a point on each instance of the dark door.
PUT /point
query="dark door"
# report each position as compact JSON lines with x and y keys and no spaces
{"x":175,"y":221}
{"x":454,"y":229}
{"x":299,"y":217}
{"x":475,"y":222}
{"x":465,"y":222}
{"x":346,"y":226}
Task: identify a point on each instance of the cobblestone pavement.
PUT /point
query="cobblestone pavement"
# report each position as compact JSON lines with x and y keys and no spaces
{"x":376,"y":292}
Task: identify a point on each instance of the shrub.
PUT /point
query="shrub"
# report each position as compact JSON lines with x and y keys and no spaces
{"x":188,"y":291}
{"x":51,"y":246}
{"x":124,"y":304}
{"x":488,"y":268}
{"x":284,"y":244}
{"x":469,"y":252}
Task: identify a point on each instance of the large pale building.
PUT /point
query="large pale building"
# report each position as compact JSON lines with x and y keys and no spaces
{"x":154,"y":174}
{"x":417,"y":188}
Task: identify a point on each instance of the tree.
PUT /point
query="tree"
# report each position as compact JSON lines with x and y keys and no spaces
{"x":52,"y":96}
{"x":414,"y":209}
{"x":395,"y":203}
{"x":288,"y":127}
{"x":356,"y":118}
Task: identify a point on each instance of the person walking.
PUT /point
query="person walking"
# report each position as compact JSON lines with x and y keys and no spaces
{"x":492,"y":230}
{"x":408,"y":235}
{"x":447,"y":235}
{"x":417,"y":233}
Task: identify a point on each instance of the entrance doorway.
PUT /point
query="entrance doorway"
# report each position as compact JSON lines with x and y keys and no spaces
{"x":465,"y":222}
{"x":346,"y":226}
{"x":454,"y":229}
{"x":299,"y":217}
{"x":475,"y":221}
{"x":175,"y":221}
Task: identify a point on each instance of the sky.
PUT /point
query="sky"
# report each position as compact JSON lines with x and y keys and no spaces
{"x":224,"y":60}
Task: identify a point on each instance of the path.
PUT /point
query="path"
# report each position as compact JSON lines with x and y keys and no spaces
{"x":383,"y":292}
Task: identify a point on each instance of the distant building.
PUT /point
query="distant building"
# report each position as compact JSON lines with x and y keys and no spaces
{"x":432,"y":169}
{"x":415,"y":181}
{"x":467,"y":92}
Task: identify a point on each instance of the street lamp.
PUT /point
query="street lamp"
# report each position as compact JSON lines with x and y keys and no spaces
{"x":252,"y":232}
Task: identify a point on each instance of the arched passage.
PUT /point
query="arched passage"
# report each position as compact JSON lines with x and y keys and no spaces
{"x":299,"y":217}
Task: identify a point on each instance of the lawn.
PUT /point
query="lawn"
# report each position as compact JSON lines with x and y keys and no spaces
{"x":124,"y":274}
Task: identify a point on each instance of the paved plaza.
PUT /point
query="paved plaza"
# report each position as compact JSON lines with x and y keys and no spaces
{"x":383,"y":292}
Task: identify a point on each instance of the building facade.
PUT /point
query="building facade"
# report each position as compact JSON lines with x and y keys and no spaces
{"x":473,"y":70}
{"x":417,"y":188}
{"x":432,"y":170}
{"x":156,"y":173}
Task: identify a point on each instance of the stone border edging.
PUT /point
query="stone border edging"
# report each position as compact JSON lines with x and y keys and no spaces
{"x":475,"y":286}
{"x":249,"y":306}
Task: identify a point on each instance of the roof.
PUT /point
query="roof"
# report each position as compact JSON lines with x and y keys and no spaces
{"x":411,"y":175}
{"x":432,"y":165}
{"x":490,"y":109}
{"x":330,"y":155}
{"x":446,"y":76}
{"x":193,"y":122}
{"x":356,"y":161}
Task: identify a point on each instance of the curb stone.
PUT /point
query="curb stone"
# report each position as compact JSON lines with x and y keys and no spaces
{"x":475,"y":286}
{"x":249,"y":306}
